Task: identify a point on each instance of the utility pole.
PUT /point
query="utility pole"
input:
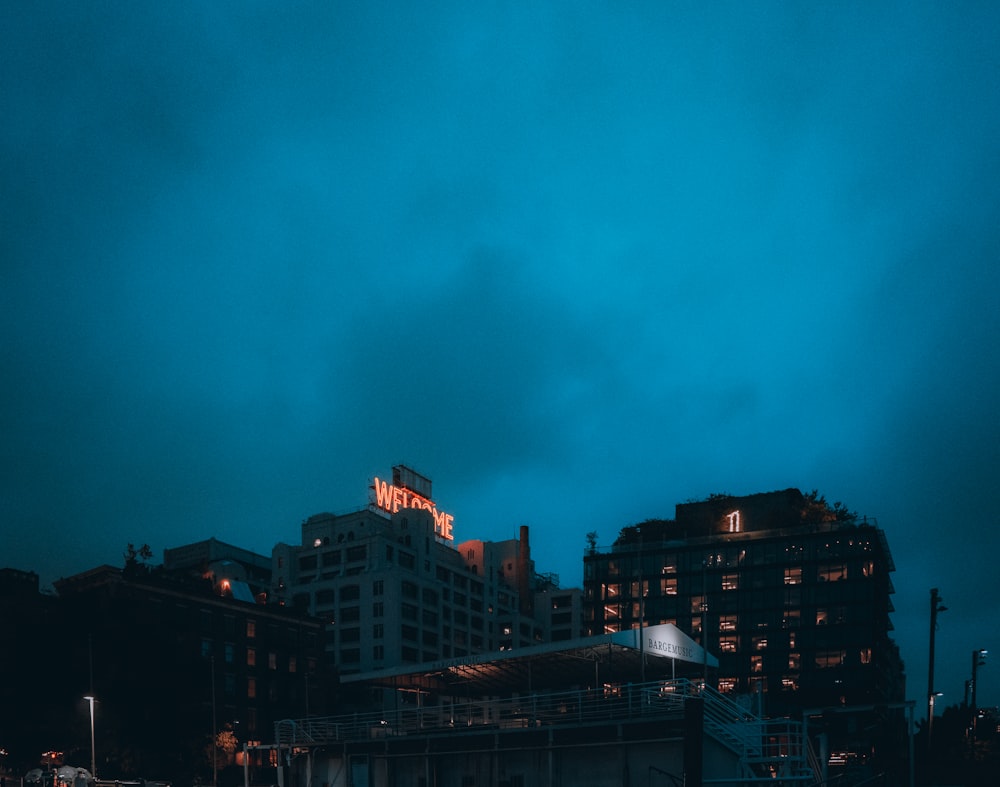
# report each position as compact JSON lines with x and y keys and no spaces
{"x":978,"y":660}
{"x":936,"y":606}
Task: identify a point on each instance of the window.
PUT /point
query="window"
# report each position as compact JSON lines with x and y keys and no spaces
{"x":697,"y":604}
{"x":830,"y":658}
{"x":730,"y":581}
{"x":790,"y":618}
{"x":272,"y":661}
{"x":251,"y":629}
{"x":350,"y":593}
{"x":378,"y":631}
{"x":832,"y":572}
{"x":230,"y":653}
{"x":866,"y":655}
{"x":789,"y":683}
{"x":794,"y":661}
{"x":378,"y":652}
{"x":727,"y":685}
{"x":378,"y":609}
{"x":727,"y":623}
{"x":378,"y":587}
{"x":760,"y":643}
{"x":756,"y":663}
{"x":251,"y":657}
{"x":325,"y":597}
{"x":293,"y":664}
{"x":331,"y":558}
{"x":251,"y":688}
{"x":793,"y":576}
{"x":727,"y":644}
{"x":206,"y":648}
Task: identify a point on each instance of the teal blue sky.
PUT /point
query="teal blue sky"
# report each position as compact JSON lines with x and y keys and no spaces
{"x":576,"y":262}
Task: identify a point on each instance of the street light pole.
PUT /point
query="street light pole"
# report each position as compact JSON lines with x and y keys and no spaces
{"x":93,"y":757}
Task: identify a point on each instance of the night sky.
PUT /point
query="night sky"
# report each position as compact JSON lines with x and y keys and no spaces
{"x":575,"y":262}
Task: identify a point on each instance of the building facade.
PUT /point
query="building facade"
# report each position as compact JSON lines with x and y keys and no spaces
{"x":177,"y":659}
{"x":793,"y":595}
{"x":393,"y":587}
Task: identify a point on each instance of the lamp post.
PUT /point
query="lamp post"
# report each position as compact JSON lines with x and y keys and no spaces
{"x":936,"y":606}
{"x":93,"y":757}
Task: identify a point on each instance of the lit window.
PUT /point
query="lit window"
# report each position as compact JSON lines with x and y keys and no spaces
{"x":830,"y":658}
{"x":791,"y":618}
{"x":866,"y":655}
{"x":727,"y":685}
{"x":727,"y":644}
{"x":251,"y":657}
{"x":668,"y":586}
{"x":697,"y":603}
{"x":793,"y":576}
{"x":727,"y":623}
{"x":251,"y":688}
{"x":251,"y":629}
{"x":794,"y":661}
{"x":730,"y":581}
{"x":789,"y":684}
{"x":760,"y":643}
{"x":822,"y":617}
{"x":756,"y":663}
{"x":669,"y":566}
{"x":612,"y":591}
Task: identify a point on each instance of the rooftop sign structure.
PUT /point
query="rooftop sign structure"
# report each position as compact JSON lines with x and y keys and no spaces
{"x":409,"y":489}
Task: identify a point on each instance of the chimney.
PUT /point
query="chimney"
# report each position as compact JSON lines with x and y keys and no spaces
{"x":526,"y":601}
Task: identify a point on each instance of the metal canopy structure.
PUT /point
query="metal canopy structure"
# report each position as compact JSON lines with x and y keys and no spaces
{"x":632,"y":656}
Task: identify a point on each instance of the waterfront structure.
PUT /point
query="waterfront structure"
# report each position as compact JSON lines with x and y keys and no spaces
{"x":393,"y":587}
{"x":559,"y":713}
{"x":792,"y":594}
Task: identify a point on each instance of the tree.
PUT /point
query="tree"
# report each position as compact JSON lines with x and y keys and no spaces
{"x":136,"y":560}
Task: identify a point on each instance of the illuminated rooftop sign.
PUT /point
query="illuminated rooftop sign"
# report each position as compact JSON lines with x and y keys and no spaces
{"x":390,"y":498}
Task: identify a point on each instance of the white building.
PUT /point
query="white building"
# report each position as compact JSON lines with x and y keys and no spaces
{"x":394,"y":588}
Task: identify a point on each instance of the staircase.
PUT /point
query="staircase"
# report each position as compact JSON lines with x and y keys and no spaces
{"x":772,"y":750}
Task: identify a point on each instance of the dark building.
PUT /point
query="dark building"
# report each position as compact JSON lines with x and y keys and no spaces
{"x":177,"y":658}
{"x":792,"y":594}
{"x":35,"y":695}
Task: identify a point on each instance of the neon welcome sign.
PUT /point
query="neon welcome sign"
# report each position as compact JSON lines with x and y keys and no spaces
{"x":391,"y":498}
